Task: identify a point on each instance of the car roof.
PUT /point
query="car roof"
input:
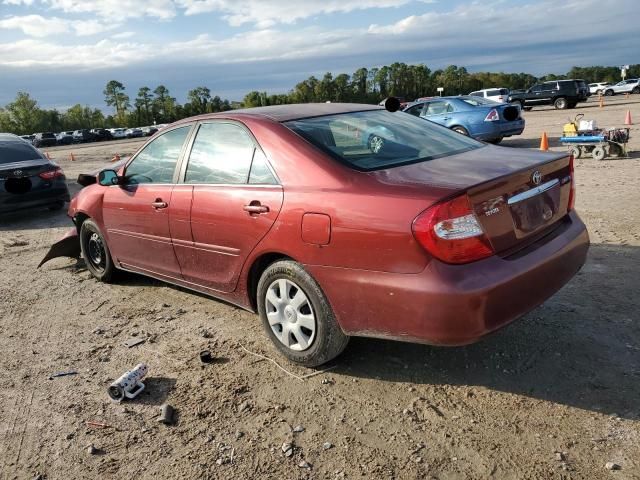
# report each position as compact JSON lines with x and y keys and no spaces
{"x":10,"y":137}
{"x":285,"y":113}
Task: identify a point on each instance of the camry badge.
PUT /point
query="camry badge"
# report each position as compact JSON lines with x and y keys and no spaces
{"x":17,"y":173}
{"x":536,"y":178}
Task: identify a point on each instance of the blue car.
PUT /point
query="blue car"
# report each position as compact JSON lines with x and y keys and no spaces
{"x":477,"y":117}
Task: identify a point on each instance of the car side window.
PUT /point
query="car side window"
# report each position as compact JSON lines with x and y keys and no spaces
{"x":437,"y":108}
{"x":260,"y":173}
{"x":221,"y":154}
{"x":537,"y":88}
{"x":156,"y":163}
{"x":416,"y":110}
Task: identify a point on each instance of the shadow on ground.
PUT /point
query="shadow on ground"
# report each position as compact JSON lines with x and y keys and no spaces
{"x":581,"y":348}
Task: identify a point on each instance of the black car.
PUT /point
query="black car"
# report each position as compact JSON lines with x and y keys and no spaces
{"x":559,"y":93}
{"x":65,"y":138}
{"x":101,"y":134}
{"x":27,"y":178}
{"x":83,"y":136}
{"x":46,"y":139}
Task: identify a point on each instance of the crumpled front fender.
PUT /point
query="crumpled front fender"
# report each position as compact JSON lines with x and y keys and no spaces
{"x":67,"y":246}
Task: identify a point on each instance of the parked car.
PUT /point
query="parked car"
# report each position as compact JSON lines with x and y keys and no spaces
{"x":148,"y":131}
{"x":101,"y":134}
{"x":45,"y":139}
{"x":27,"y":178}
{"x":474,"y":116}
{"x":133,"y":133}
{"x":64,"y":138}
{"x":500,"y":95}
{"x":118,"y":133}
{"x":559,"y":93}
{"x":433,"y":237}
{"x":631,"y":85}
{"x":28,"y":138}
{"x":598,"y":88}
{"x":83,"y":136}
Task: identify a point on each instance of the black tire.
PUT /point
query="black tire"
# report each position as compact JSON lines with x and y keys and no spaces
{"x":96,"y":252}
{"x":560,"y":103}
{"x":496,"y":141}
{"x":598,"y":153}
{"x":609,"y":93}
{"x":328,"y":339}
{"x":461,"y":130}
{"x":615,"y":150}
{"x":576,"y":151}
{"x":56,"y":206}
{"x":636,"y":90}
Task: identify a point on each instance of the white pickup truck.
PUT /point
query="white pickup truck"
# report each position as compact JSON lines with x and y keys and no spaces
{"x":631,"y":85}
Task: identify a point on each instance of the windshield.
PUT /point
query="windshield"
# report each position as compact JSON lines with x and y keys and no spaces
{"x":18,"y":151}
{"x":378,"y":139}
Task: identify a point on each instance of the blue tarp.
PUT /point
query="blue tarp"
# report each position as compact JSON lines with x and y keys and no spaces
{"x":583,"y":139}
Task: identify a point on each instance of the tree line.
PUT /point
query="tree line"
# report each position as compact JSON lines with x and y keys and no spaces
{"x":24,"y":116}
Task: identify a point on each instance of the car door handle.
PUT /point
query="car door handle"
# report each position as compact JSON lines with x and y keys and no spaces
{"x":255,"y":208}
{"x":159,"y":204}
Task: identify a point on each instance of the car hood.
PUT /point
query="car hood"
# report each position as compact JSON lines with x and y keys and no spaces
{"x":465,"y":170}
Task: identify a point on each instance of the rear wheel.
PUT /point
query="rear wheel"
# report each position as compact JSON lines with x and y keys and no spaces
{"x":598,"y":153}
{"x":460,"y":130}
{"x":297,"y":315}
{"x":561,"y":103}
{"x":496,"y":141}
{"x":573,"y":104}
{"x":95,"y":251}
{"x":615,"y":150}
{"x":608,"y":93}
{"x":636,"y":90}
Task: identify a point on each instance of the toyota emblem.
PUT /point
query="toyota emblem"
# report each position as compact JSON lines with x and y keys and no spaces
{"x":17,"y":173}
{"x":536,"y":178}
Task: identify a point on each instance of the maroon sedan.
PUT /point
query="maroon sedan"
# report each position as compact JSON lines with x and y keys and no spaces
{"x":333,"y":220}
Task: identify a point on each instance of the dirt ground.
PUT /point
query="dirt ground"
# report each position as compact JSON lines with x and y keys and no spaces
{"x":554,"y":396}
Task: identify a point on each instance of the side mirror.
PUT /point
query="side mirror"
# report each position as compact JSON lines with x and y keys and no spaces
{"x":106,"y":178}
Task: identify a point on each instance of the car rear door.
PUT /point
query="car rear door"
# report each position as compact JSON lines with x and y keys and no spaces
{"x":439,"y":111}
{"x":136,"y":214}
{"x":236,"y":199}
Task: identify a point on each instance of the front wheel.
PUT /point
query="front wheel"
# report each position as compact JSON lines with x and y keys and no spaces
{"x":95,"y":251}
{"x":460,"y":130}
{"x":608,"y":93}
{"x":576,"y":151}
{"x":636,"y":90}
{"x":297,"y":315}
{"x":598,"y":153}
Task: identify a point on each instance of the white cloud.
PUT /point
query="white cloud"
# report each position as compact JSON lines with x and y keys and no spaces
{"x":116,"y":9}
{"x":122,"y":35}
{"x":35,"y":25}
{"x":38,"y":26}
{"x":268,"y":13}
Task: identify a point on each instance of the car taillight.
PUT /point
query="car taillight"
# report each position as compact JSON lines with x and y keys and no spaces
{"x":51,"y":174}
{"x":572,"y":190}
{"x":451,"y":232}
{"x":492,"y":116}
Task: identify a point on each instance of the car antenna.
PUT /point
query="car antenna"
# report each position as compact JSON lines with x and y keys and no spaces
{"x":392,"y":104}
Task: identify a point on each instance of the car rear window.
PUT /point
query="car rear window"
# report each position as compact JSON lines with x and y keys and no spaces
{"x":19,"y":151}
{"x":478,"y":101}
{"x":378,"y":139}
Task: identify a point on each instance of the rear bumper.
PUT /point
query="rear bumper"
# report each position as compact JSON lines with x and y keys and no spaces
{"x":491,"y":130}
{"x":454,"y":304}
{"x":57,"y":192}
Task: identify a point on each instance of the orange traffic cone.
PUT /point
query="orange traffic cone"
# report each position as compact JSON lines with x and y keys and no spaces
{"x":544,"y":142}
{"x":601,"y":101}
{"x":46,"y":154}
{"x":71,"y":157}
{"x":627,"y":119}
{"x":116,"y":158}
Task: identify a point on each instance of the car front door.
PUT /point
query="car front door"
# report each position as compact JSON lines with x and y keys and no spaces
{"x":439,"y":111}
{"x":235,"y":201}
{"x":536,"y":95}
{"x":136,"y":213}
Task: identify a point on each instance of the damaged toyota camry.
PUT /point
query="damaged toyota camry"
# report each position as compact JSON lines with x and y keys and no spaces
{"x":338,"y":220}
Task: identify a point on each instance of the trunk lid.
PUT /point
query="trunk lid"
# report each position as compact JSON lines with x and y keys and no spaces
{"x":25,"y":168}
{"x":516,"y":194}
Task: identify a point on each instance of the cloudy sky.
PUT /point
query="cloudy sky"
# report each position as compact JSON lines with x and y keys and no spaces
{"x":64,"y":51}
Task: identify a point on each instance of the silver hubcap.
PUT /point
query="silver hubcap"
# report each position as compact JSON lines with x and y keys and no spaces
{"x":290,"y":315}
{"x":376,"y":144}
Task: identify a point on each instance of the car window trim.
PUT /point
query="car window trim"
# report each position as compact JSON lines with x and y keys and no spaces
{"x":176,"y":169}
{"x":189,"y":148}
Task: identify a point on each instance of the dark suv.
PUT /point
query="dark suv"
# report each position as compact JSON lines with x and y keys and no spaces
{"x":101,"y":134}
{"x":46,"y":139}
{"x":559,"y":93}
{"x":83,"y":136}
